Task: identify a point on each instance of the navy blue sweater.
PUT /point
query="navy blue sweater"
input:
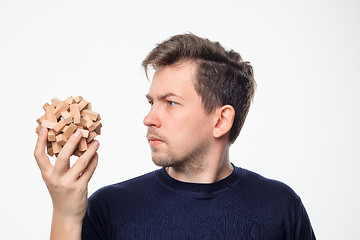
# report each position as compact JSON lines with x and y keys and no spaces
{"x":155,"y":206}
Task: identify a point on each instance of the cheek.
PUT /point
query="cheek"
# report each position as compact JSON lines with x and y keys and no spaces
{"x":199,"y":121}
{"x":189,"y":128}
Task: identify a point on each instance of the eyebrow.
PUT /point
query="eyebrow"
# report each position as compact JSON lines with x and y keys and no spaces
{"x":164,"y":96}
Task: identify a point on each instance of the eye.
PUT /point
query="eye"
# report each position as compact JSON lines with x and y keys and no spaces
{"x":151,"y":102}
{"x":172,"y":104}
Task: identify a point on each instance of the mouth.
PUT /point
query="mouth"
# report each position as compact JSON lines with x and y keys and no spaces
{"x":154,"y":141}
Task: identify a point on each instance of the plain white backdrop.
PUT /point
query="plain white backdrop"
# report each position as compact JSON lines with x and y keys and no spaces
{"x":302,"y":129}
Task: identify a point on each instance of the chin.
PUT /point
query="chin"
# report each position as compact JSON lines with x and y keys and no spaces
{"x":163,"y":160}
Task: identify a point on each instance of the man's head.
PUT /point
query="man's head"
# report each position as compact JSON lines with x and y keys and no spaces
{"x":221,"y":77}
{"x":179,"y":128}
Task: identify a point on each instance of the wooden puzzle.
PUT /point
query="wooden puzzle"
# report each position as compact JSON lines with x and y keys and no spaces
{"x":63,"y":118}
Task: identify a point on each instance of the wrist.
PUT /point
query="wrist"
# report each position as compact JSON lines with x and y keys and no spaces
{"x":65,"y":227}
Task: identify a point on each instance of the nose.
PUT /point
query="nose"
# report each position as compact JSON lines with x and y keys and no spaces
{"x":152,"y":119}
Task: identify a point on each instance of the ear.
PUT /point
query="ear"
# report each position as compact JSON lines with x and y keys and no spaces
{"x":225,"y":118}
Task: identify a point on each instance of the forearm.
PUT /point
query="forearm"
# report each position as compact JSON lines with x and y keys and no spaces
{"x":62,"y":228}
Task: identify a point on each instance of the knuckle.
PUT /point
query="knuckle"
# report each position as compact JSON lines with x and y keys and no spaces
{"x":51,"y":180}
{"x":82,"y":189}
{"x":83,"y":163}
{"x":74,"y":139}
{"x":50,"y":183}
{"x":60,"y":156}
{"x":36,"y":153}
{"x":59,"y":185}
{"x":44,"y":179}
{"x":45,"y":176}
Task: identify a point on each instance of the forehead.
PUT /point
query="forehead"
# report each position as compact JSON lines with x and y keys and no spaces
{"x":176,"y":79}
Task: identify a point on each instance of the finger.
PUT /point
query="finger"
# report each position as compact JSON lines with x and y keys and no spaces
{"x":62,"y":163}
{"x":89,"y":171}
{"x":82,"y":163}
{"x":39,"y":152}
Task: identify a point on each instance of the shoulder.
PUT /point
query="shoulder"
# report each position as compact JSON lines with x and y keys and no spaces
{"x":256,"y":179}
{"x":268,"y":189}
{"x":277,"y":203}
{"x":126,"y":188}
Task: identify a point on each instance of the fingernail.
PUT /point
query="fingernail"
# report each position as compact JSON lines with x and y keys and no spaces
{"x":96,"y":143}
{"x":77,"y":133}
{"x":42,"y":130}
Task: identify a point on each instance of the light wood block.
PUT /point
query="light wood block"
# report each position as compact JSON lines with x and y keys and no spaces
{"x":93,"y":115}
{"x":56,"y":102}
{"x":83,"y":104}
{"x":70,"y":100}
{"x":89,"y":123}
{"x":67,"y":117}
{"x":70,"y":130}
{"x":50,"y":113}
{"x":98,"y":126}
{"x":48,"y":124}
{"x":82,"y":122}
{"x":85,"y":133}
{"x":61,"y":139}
{"x":37,"y":129}
{"x":82,"y":145}
{"x":78,"y":153}
{"x":91,"y":137}
{"x":39,"y":120}
{"x":51,"y":136}
{"x":59,"y":126}
{"x":56,"y":147}
{"x":50,"y":151}
{"x":78,"y":99}
{"x":46,"y":105}
{"x":63,"y":107}
{"x":75,"y":113}
{"x":65,"y":128}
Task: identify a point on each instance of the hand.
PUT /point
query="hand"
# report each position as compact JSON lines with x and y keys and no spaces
{"x":67,"y":186}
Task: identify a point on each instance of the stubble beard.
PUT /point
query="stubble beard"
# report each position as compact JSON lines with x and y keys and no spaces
{"x":187,"y":157}
{"x":186,"y":161}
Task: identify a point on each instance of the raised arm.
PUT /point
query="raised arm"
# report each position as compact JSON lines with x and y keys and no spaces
{"x":67,"y":186}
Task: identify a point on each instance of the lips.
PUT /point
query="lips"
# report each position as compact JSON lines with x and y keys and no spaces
{"x":154,"y":141}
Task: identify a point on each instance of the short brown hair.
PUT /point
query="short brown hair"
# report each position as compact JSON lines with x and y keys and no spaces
{"x":222,"y":77}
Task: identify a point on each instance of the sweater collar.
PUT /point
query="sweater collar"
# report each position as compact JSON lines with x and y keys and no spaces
{"x":200,"y":188}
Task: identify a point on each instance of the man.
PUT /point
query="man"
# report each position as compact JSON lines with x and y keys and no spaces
{"x":199,"y":96}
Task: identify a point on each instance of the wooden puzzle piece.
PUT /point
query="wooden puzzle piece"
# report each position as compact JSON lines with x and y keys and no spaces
{"x":63,"y":118}
{"x":75,"y":113}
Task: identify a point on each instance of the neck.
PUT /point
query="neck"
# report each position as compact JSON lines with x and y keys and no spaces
{"x":214,"y":168}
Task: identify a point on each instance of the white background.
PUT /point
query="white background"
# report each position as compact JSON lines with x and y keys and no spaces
{"x":302,"y":128}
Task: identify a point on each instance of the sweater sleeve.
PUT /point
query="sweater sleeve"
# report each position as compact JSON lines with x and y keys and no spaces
{"x":303,"y":229}
{"x":95,"y":220}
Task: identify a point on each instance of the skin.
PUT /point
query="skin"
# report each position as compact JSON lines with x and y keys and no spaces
{"x":190,"y":143}
{"x":67,"y":186}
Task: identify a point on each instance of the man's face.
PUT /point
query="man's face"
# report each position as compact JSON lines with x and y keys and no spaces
{"x":179,"y":129}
